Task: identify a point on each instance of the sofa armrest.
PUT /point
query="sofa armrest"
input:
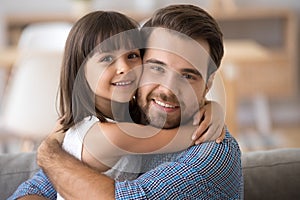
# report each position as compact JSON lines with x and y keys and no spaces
{"x":273,"y":174}
{"x":15,"y":169}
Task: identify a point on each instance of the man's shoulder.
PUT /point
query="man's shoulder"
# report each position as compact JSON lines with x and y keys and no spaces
{"x":228,"y":141}
{"x":229,"y":146}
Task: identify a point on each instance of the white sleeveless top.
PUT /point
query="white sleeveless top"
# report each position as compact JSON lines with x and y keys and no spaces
{"x":127,"y":168}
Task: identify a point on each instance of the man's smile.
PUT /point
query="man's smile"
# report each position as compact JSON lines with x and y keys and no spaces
{"x":166,"y":106}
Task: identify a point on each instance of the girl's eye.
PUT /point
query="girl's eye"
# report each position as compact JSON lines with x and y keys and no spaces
{"x":157,"y":68}
{"x":189,"y":76}
{"x":106,"y":59}
{"x":133,"y":56}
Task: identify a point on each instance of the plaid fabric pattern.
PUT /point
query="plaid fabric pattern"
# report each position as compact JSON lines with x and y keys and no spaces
{"x":39,"y":184}
{"x":206,"y":171}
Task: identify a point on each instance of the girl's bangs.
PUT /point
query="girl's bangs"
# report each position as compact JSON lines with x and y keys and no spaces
{"x":128,"y":40}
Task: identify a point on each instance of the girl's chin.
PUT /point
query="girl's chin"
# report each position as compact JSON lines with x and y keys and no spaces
{"x":122,"y":99}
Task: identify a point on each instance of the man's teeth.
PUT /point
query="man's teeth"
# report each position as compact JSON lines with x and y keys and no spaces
{"x":123,"y":83}
{"x":164,"y":104}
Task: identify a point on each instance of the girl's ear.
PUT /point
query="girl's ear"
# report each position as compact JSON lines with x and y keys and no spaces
{"x":210,"y":82}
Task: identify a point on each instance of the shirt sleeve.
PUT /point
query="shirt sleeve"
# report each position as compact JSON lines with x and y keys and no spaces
{"x":39,"y":184}
{"x":206,"y":171}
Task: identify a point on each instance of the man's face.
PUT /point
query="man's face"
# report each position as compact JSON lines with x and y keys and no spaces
{"x":171,"y":88}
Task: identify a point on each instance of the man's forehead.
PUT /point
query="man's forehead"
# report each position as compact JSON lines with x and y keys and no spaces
{"x":194,"y":52}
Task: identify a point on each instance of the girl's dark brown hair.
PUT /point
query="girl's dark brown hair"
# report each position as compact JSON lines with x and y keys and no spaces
{"x":193,"y":22}
{"x":77,"y":102}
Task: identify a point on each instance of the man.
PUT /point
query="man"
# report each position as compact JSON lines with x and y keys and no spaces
{"x":206,"y":171}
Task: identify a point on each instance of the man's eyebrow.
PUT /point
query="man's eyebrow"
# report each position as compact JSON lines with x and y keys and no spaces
{"x":193,"y":71}
{"x":155,"y":61}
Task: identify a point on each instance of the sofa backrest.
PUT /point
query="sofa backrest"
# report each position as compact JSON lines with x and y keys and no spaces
{"x":15,"y":169}
{"x":273,"y":174}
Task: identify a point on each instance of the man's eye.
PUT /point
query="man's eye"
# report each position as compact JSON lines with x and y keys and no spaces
{"x":189,"y":76}
{"x":133,"y":56}
{"x":106,"y":59}
{"x":157,"y":68}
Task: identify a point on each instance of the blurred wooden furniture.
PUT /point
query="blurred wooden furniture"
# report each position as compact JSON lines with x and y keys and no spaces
{"x":261,"y":46}
{"x":235,"y":51}
{"x":34,"y":36}
{"x":272,"y":70}
{"x":7,"y":57}
{"x":17,"y":22}
{"x":28,"y":110}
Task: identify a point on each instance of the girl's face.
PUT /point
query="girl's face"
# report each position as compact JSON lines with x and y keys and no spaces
{"x":114,"y":75}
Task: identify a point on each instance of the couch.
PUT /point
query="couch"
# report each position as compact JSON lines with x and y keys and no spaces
{"x":272,"y":174}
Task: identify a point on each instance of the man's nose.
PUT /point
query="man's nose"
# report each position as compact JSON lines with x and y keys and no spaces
{"x":170,"y":85}
{"x":122,"y":66}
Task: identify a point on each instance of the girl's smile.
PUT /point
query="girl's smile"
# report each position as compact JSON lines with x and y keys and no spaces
{"x":114,"y":75}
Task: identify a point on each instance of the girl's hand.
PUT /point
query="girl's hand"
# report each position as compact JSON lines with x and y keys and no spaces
{"x":211,"y":121}
{"x":50,"y":145}
{"x":57,"y":132}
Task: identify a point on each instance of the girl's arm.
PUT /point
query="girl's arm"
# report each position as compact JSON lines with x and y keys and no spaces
{"x":105,"y":143}
{"x":127,"y":138}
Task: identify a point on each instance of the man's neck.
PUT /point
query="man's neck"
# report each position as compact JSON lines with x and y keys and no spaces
{"x":120,"y":112}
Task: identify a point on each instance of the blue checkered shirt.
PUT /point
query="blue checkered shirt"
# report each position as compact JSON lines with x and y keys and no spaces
{"x":206,"y":171}
{"x":39,"y":184}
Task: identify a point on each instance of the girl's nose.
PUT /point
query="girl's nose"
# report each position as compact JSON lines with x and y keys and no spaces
{"x":122,"y":66}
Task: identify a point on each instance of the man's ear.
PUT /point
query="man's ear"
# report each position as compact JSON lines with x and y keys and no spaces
{"x":210,"y":82}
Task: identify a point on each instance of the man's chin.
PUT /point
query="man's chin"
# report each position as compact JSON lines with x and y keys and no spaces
{"x":161,"y":119}
{"x":174,"y":123}
{"x":157,"y":123}
{"x":161,"y":123}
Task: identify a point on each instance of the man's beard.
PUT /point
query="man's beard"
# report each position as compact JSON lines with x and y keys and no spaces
{"x":159,"y":119}
{"x":154,"y":116}
{"x":156,"y":119}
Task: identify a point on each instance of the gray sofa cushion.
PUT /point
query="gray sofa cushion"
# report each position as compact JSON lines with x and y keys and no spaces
{"x":273,"y":174}
{"x":14,"y":169}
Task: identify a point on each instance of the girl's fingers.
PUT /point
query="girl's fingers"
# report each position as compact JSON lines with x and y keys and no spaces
{"x":207,"y":136}
{"x":212,"y":134}
{"x":222,"y":136}
{"x":58,"y":136}
{"x":201,"y":130}
{"x":57,"y":133}
{"x":200,"y":140}
{"x":197,"y":117}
